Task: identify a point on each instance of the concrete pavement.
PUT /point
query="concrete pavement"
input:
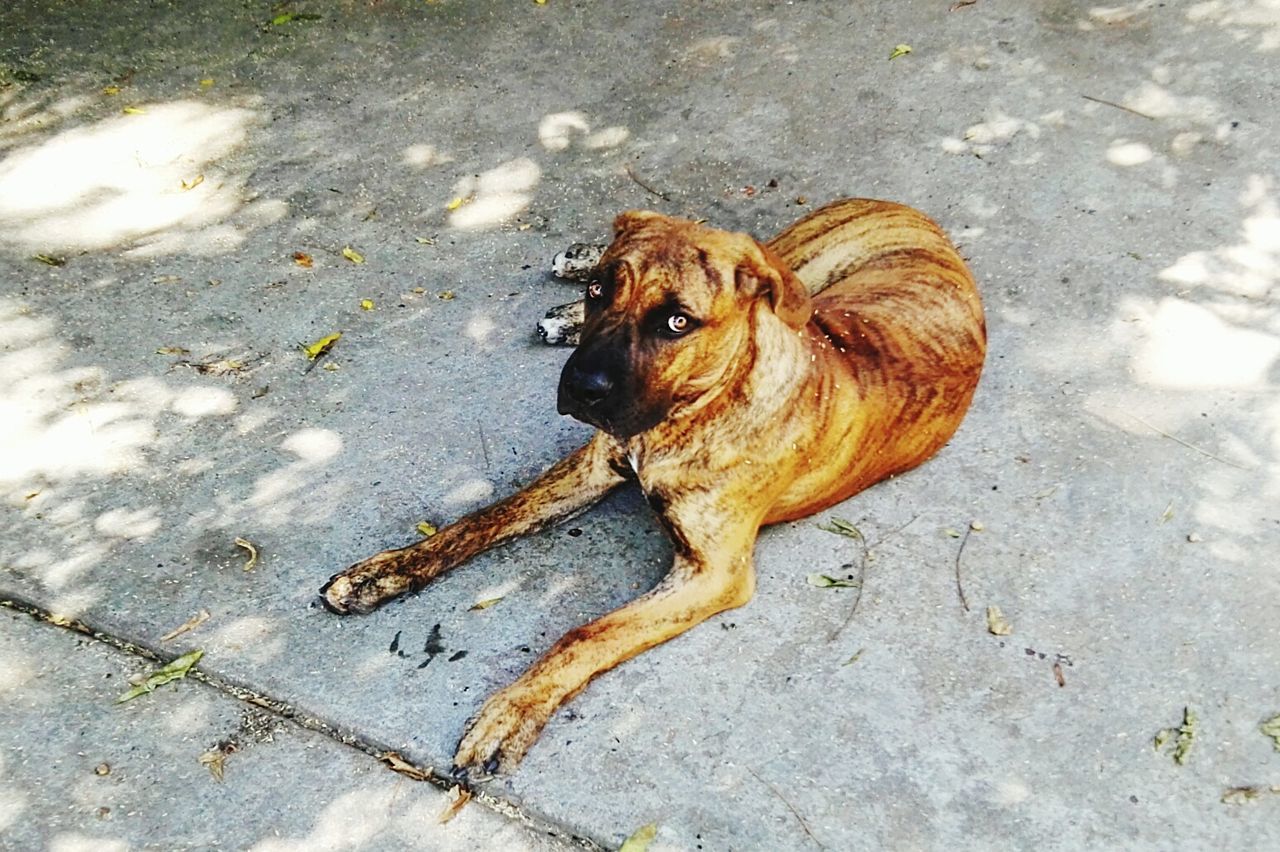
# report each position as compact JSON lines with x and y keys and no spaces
{"x":178,"y":187}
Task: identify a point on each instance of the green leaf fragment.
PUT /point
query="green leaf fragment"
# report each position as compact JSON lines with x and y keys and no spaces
{"x":1271,"y":728}
{"x":640,"y":839}
{"x":1186,"y":736}
{"x":840,"y":526}
{"x":1161,"y":739}
{"x":857,"y":655}
{"x":175,"y":670}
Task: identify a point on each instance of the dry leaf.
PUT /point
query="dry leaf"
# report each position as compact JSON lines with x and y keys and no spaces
{"x":426,"y":529}
{"x":190,"y":624}
{"x":399,"y":764}
{"x":131,"y":110}
{"x":1240,"y":795}
{"x":977,"y":526}
{"x":457,"y":798}
{"x":997,"y":625}
{"x":1167,"y":514}
{"x":352,"y":255}
{"x":446,"y":295}
{"x":856,"y":656}
{"x":223,"y":367}
{"x":176,"y":670}
{"x":253,"y":553}
{"x":206,"y":83}
{"x":331,"y":367}
{"x":840,"y":526}
{"x":458,"y":202}
{"x":215,"y":760}
{"x":954,"y":533}
{"x":110,"y":90}
{"x":485,"y":604}
{"x":321,"y":346}
{"x":172,"y":350}
{"x":426,"y":241}
{"x":50,"y":260}
{"x":900,"y":50}
{"x":366,"y":304}
{"x":303,"y":259}
{"x":193,"y":183}
{"x":640,"y":839}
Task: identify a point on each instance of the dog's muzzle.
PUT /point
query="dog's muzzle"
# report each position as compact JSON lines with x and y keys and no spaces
{"x":589,"y":386}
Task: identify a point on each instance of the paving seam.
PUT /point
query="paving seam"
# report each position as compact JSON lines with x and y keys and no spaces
{"x":295,"y":716}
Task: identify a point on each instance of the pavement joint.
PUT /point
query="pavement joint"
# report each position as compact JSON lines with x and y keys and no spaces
{"x":293,"y":715}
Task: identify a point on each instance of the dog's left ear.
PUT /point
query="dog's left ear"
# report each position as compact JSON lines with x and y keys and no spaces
{"x":767,"y":275}
{"x":631,"y":220}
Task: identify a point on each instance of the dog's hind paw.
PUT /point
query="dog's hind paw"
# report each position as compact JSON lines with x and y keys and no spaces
{"x":563,"y":324}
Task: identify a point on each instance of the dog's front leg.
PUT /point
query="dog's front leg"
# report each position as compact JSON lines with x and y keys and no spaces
{"x":571,"y":485}
{"x":709,"y":576}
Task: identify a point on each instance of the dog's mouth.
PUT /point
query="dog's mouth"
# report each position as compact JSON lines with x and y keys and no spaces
{"x":621,"y":422}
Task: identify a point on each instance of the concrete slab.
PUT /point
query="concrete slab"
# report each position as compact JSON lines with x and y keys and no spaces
{"x":80,"y":771}
{"x":1110,"y":173}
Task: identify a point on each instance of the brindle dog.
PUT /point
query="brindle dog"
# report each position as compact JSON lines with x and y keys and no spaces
{"x":735,"y":400}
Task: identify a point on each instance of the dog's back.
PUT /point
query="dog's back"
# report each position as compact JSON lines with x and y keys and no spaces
{"x":892,"y":294}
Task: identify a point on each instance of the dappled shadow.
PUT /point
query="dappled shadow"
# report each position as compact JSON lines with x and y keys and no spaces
{"x":155,"y":180}
{"x":67,"y":430}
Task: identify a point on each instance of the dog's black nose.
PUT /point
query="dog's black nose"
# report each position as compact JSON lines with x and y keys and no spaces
{"x":589,"y":385}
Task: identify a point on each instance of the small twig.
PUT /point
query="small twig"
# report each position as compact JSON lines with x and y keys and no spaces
{"x":646,"y":187}
{"x":961,"y":4}
{"x":1186,"y":444}
{"x":857,"y":596}
{"x":964,"y":602}
{"x":790,"y":807}
{"x":1118,"y":106}
{"x":891,"y":533}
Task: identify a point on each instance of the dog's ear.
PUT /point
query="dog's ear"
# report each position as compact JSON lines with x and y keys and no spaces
{"x":767,"y":275}
{"x":632,"y":220}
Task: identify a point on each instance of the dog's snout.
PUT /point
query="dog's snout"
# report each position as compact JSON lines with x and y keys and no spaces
{"x":589,"y":385}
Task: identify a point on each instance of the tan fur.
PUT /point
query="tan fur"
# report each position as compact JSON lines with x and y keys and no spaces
{"x":844,"y":351}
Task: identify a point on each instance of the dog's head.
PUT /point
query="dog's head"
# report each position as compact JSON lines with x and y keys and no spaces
{"x":671,"y":310}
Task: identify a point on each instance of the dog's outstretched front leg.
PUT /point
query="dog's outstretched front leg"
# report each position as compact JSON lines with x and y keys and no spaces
{"x":571,"y":485}
{"x":701,"y":584}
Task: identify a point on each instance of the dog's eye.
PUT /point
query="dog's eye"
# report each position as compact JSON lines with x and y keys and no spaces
{"x":678,"y":324}
{"x":595,"y":290}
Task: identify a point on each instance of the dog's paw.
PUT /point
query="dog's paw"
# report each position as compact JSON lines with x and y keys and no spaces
{"x":577,"y":261}
{"x":563,"y":324}
{"x":500,"y":734}
{"x":365,"y":586}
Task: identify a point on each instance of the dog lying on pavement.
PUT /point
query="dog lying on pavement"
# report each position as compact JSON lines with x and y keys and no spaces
{"x":739,"y":385}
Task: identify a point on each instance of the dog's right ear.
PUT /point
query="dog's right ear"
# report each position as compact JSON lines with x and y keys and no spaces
{"x":632,"y":220}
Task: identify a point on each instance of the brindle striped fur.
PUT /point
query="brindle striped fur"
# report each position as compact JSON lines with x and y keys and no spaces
{"x":845,"y":351}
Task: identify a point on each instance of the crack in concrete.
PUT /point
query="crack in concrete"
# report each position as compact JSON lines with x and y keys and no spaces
{"x":303,"y":720}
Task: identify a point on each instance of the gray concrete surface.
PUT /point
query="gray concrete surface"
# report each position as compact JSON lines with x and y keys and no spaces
{"x":78,"y":771}
{"x":1122,"y":455}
